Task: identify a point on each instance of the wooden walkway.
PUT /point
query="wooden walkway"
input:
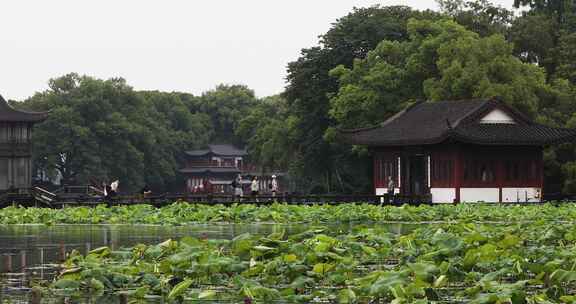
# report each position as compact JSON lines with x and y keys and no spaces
{"x":41,"y":198}
{"x":163,"y":200}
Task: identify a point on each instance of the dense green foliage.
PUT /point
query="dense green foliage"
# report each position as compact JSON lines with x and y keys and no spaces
{"x":267,"y":130}
{"x":461,"y":262}
{"x":441,"y":60}
{"x":102,"y":130}
{"x":181,"y":213}
{"x":368,"y":65}
{"x":323,"y":167}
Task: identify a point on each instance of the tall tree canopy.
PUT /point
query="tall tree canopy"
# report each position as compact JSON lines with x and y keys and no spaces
{"x":543,"y":33}
{"x":100,"y":130}
{"x":266,"y":130}
{"x":441,"y":60}
{"x":226,"y":105}
{"x":310,"y":85}
{"x":479,"y":16}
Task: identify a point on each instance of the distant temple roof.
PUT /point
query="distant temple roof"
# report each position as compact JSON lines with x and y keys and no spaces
{"x":218,"y":150}
{"x":480,"y":121}
{"x":7,"y":113}
{"x":212,"y":170}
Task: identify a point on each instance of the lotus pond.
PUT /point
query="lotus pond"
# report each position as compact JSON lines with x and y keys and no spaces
{"x":334,"y":254}
{"x":183,"y":213}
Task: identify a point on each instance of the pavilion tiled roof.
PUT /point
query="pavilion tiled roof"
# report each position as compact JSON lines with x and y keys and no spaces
{"x":218,"y":150}
{"x":436,"y":122}
{"x":211,"y":169}
{"x":496,"y":134}
{"x":7,"y":113}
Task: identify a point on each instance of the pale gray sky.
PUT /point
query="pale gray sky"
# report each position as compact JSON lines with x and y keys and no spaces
{"x":167,"y":45}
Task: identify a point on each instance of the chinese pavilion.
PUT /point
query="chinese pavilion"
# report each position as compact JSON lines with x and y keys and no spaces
{"x":460,"y":151}
{"x":213,"y":167}
{"x":15,"y":146}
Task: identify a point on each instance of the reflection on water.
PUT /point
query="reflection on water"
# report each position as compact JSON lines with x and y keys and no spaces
{"x":32,"y":252}
{"x":25,"y":245}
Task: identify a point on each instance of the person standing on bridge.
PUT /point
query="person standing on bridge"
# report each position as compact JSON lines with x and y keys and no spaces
{"x":391,"y":188}
{"x":237,"y":185}
{"x":274,"y":186}
{"x":255,"y":187}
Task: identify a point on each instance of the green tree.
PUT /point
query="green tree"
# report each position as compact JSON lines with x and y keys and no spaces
{"x":534,"y":38}
{"x":101,"y":130}
{"x":309,"y":87}
{"x":545,"y":35}
{"x":480,"y":16}
{"x":441,"y":61}
{"x":267,"y":132}
{"x":542,"y":34}
{"x":560,"y":10}
{"x":566,"y":54}
{"x":226,"y":105}
{"x":184,"y":130}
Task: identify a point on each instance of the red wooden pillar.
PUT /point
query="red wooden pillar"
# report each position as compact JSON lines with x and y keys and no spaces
{"x":540,"y":168}
{"x":499,"y":178}
{"x":458,"y":171}
{"x":375,"y":168}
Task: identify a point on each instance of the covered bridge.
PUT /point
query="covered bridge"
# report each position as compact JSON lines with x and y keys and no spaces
{"x":460,"y":151}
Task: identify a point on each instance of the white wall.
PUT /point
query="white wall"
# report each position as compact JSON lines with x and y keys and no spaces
{"x":521,"y":195}
{"x":472,"y":195}
{"x":497,"y":116}
{"x":382,"y":191}
{"x":443,"y":195}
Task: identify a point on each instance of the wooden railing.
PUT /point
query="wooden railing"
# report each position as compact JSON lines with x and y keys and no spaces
{"x":214,"y":164}
{"x":165,"y":199}
{"x":34,"y":196}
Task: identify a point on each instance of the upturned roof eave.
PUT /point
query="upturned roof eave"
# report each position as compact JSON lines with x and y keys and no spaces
{"x":8,"y":113}
{"x":453,"y":135}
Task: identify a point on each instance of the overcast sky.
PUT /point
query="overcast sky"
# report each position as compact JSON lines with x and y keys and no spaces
{"x":166,"y":45}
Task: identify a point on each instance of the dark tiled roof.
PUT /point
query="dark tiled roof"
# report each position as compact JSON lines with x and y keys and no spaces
{"x":497,"y":134}
{"x":434,"y":122}
{"x":213,"y":170}
{"x":7,"y":113}
{"x":422,"y":123}
{"x":197,"y":152}
{"x":226,"y":150}
{"x":220,"y":150}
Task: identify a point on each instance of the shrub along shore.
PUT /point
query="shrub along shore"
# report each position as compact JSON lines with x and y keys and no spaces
{"x":182,"y":213}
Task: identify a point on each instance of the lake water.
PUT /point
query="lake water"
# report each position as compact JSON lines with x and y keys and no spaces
{"x":32,"y":252}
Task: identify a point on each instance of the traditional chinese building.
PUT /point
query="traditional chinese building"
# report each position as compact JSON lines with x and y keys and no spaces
{"x":460,"y":151}
{"x":15,"y":146}
{"x":213,"y":169}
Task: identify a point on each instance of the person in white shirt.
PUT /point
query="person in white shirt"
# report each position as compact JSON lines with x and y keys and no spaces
{"x":237,"y":185}
{"x":274,"y":186}
{"x":391,"y":188}
{"x":255,"y":186}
